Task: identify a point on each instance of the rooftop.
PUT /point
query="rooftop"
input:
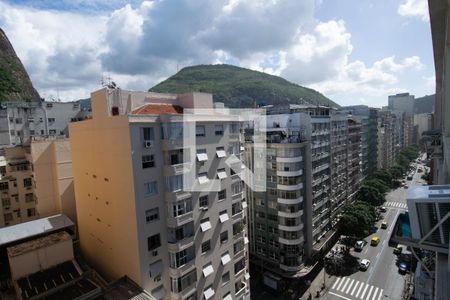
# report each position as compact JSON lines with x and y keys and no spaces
{"x":34,"y":228}
{"x":158,"y":109}
{"x":38,"y":243}
{"x":124,"y":288}
{"x":432,"y":193}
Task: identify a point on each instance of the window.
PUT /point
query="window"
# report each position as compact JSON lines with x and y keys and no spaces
{"x":203,"y":202}
{"x":12,"y":132}
{"x":224,"y":237}
{"x":223,"y":216}
{"x":239,"y":266}
{"x":29,"y":197}
{"x":221,"y":174}
{"x":27,"y":182}
{"x":49,"y":105}
{"x":6,"y":203}
{"x":20,"y":132}
{"x":220,"y":152}
{"x":203,"y":178}
{"x":235,"y":128}
{"x":175,"y":131}
{"x":152,"y":215}
{"x":175,"y":183}
{"x":222,"y":194}
{"x":200,"y":130}
{"x":206,"y":246}
{"x":8,"y":217}
{"x":238,"y":246}
{"x":51,"y":120}
{"x":18,"y":120}
{"x":174,"y":235}
{"x":150,"y":188}
{"x":153,"y":242}
{"x":202,"y":156}
{"x":225,"y":277}
{"x":3,"y":186}
{"x":52,"y":132}
{"x":31,"y":132}
{"x":156,"y":269}
{"x":180,"y":284}
{"x":181,"y":207}
{"x":31,"y":212}
{"x":218,"y":129}
{"x":236,"y":188}
{"x":148,"y":133}
{"x":182,"y":257}
{"x":148,"y":161}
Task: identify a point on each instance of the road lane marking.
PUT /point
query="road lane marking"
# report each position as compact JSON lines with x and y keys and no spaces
{"x":359,"y":290}
{"x":370,"y":291}
{"x":364,"y":291}
{"x":346,"y":282}
{"x":381,"y":294}
{"x":339,"y":286}
{"x":349,"y":286}
{"x":367,"y":249}
{"x":337,"y":295}
{"x":354,"y":288}
{"x":375,"y":293}
{"x":336,"y":282}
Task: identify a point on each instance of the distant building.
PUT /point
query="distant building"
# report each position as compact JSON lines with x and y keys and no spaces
{"x":422,"y":123}
{"x":20,"y":122}
{"x":135,"y":216}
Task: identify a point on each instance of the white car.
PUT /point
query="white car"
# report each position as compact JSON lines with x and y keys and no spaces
{"x":364,"y":264}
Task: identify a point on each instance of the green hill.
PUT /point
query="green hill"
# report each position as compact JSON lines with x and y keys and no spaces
{"x":239,"y":87}
{"x":15,"y":84}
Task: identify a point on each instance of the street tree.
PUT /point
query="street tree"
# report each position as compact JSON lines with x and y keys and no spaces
{"x":357,"y":219}
{"x":370,"y":195}
{"x":378,"y":184}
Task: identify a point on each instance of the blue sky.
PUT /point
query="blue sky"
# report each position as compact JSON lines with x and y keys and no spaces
{"x":353,"y":51}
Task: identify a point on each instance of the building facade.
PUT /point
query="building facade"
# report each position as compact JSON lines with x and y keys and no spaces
{"x":129,"y":164}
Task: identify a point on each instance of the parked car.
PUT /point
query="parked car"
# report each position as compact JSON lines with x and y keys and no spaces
{"x":359,"y":245}
{"x":398,"y":250}
{"x":402,"y":268}
{"x":383,"y":209}
{"x":364,"y":264}
{"x":375,"y":241}
{"x":384,"y":225}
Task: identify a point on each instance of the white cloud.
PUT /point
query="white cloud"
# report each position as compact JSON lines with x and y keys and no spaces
{"x":414,"y":8}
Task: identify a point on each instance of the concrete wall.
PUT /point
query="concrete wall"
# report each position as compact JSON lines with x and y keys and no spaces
{"x":40,"y":259}
{"x":52,"y":164}
{"x":104,"y":191}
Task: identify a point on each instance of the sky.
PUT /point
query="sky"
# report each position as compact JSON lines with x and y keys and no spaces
{"x":352,"y":51}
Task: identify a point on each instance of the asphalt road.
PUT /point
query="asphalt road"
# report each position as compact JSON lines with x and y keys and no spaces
{"x":382,"y":279}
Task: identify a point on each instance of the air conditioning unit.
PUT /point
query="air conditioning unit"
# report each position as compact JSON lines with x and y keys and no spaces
{"x":155,"y":253}
{"x":157,"y":278}
{"x":147,"y":144}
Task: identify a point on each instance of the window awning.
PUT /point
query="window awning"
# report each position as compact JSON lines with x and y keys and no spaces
{"x":221,"y":174}
{"x":221,"y":153}
{"x":223,"y":217}
{"x":203,"y":179}
{"x":208,"y":270}
{"x":247,"y":276}
{"x":228,"y":297}
{"x":205,"y":226}
{"x":244,"y":204}
{"x":208,"y":293}
{"x":159,"y":293}
{"x":156,"y":269}
{"x":202,"y":156}
{"x":246,"y":240}
{"x":225,"y":259}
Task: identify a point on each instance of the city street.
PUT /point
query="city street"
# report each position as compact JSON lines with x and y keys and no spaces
{"x":382,"y":279}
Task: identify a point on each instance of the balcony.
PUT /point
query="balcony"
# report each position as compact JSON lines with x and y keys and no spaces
{"x":176,"y":196}
{"x":172,"y":144}
{"x":290,"y":173}
{"x":183,"y":270}
{"x":181,"y":244}
{"x":237,"y":196}
{"x":178,"y":169}
{"x":289,"y":159}
{"x":180,"y":220}
{"x":290,"y":228}
{"x":290,"y":214}
{"x":290,"y":242}
{"x":290,"y":201}
{"x":290,"y":187}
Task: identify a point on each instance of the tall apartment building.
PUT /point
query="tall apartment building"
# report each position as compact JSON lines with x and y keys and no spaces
{"x":388,"y":139}
{"x":339,"y":158}
{"x":354,"y":156}
{"x":368,"y":117}
{"x":403,"y":106}
{"x":16,"y":187}
{"x":129,"y":165}
{"x":422,"y":123}
{"x":22,"y":121}
{"x":280,"y":218}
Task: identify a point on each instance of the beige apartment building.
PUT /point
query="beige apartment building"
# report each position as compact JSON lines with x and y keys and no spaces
{"x":138,"y":216}
{"x":18,"y":201}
